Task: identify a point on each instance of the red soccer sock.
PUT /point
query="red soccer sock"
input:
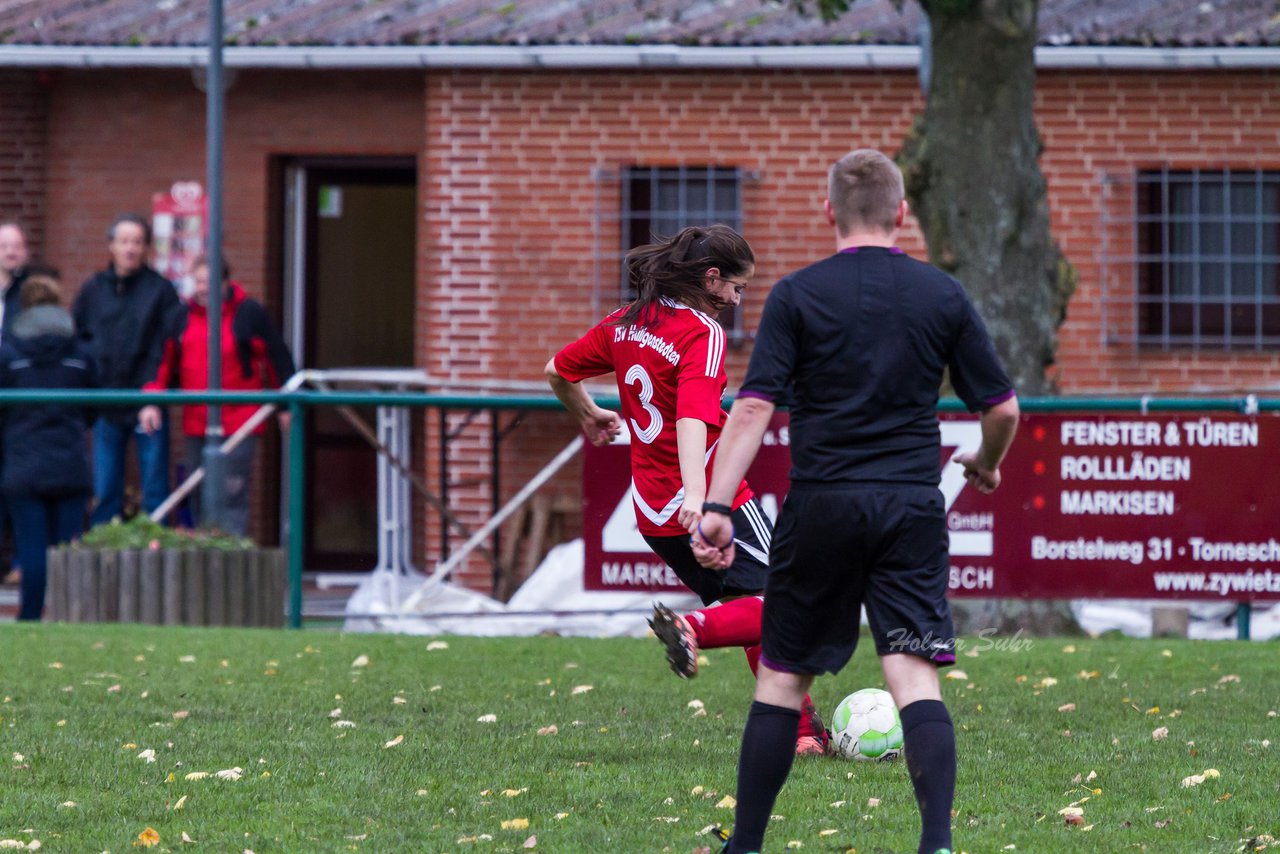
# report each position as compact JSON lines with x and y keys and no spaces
{"x":733,"y":623}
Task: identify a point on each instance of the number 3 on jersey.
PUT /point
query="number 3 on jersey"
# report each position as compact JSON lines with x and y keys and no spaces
{"x":637,"y":374}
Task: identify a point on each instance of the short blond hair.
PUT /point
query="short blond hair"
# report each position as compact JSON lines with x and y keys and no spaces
{"x":865,"y":188}
{"x":40,"y":290}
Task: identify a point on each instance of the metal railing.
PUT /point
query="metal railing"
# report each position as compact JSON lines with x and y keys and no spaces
{"x":299,"y":401}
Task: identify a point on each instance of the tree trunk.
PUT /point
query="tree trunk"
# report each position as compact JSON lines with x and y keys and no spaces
{"x":973,"y":178}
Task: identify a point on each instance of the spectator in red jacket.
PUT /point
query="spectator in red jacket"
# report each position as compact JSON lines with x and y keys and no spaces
{"x":254,"y":357}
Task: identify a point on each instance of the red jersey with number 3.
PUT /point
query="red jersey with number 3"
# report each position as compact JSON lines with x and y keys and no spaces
{"x":673,"y":369}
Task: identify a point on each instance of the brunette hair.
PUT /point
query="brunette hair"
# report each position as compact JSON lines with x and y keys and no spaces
{"x":675,"y":269}
{"x":41,"y":290}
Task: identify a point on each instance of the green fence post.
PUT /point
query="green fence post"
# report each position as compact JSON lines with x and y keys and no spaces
{"x":1243,"y":611}
{"x":297,"y":507}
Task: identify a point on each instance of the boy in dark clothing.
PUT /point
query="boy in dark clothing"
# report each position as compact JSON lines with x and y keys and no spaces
{"x":46,"y":470}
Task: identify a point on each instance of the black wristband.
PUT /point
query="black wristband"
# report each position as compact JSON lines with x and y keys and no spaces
{"x":713,"y":507}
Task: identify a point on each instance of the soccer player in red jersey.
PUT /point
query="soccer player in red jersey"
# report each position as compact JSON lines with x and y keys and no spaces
{"x":667,"y":352}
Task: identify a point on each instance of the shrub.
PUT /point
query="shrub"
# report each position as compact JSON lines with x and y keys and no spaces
{"x":142,"y":533}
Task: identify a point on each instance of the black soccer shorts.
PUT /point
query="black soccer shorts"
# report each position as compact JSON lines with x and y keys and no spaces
{"x":837,"y":549}
{"x":752,"y":533}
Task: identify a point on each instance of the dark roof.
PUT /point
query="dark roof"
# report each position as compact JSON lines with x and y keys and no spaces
{"x":1166,"y":23}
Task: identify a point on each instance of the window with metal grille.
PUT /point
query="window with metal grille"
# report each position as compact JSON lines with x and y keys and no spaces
{"x":655,"y":202}
{"x":1208,"y":258}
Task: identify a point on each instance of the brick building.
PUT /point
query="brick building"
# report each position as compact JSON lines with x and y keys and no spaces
{"x":453,"y":193}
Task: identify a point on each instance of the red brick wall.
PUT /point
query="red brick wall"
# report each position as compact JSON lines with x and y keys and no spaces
{"x":1120,"y":123}
{"x":24,"y":139}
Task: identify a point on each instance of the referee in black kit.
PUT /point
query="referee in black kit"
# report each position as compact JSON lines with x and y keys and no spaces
{"x":858,"y":343}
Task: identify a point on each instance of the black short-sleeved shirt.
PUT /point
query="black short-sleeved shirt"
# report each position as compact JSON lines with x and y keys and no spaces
{"x":857,"y":344}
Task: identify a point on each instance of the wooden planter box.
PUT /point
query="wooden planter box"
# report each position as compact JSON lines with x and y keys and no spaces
{"x":171,"y":587}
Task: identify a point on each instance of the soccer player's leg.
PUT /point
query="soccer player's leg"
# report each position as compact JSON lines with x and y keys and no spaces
{"x":911,"y":623}
{"x":809,"y":626}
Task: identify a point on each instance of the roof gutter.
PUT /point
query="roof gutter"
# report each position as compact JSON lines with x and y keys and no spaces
{"x":619,"y":57}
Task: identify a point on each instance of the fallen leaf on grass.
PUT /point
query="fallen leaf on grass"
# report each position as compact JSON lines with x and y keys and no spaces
{"x":197,"y":775}
{"x":1047,"y":682}
{"x":1069,"y":811}
{"x":230,"y":774}
{"x":580,"y":689}
{"x":114,"y":689}
{"x":181,"y":715}
{"x":515,"y":824}
{"x":393,"y":742}
{"x":696,"y":704}
{"x":147,"y":838}
{"x":957,"y":674}
{"x":727,"y":803}
{"x":873,"y":802}
{"x":487,"y":719}
{"x":187,"y":659}
{"x":186,"y":838}
{"x":361,"y":661}
{"x":1230,"y":677}
{"x":1164,"y":823}
{"x":828,"y":832}
{"x":398,"y":701}
{"x":182,"y":802}
{"x":531,"y":842}
{"x":434,"y":645}
{"x":343,"y":724}
{"x":149,"y":754}
{"x":512,"y":793}
{"x":56,"y":665}
{"x":1067,"y":707}
{"x":548,"y":730}
{"x":1193,"y":780}
{"x":1160,"y":733}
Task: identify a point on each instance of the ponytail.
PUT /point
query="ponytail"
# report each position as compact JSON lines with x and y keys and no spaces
{"x":676,"y":268}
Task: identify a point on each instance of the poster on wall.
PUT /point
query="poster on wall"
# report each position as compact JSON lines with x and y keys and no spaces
{"x":1091,"y":506}
{"x":179,"y":221}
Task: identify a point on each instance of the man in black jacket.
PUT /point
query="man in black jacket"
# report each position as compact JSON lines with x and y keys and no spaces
{"x":125,"y":313}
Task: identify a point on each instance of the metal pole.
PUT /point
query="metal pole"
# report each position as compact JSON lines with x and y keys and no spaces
{"x":297,"y":507}
{"x":214,"y":485}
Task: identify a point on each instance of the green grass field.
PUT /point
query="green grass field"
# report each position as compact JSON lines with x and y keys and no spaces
{"x":339,"y":742}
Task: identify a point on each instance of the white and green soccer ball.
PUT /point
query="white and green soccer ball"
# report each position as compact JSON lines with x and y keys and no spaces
{"x":866,"y":726}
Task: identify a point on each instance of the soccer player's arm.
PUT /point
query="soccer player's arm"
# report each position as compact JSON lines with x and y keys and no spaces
{"x":699,"y":383}
{"x":586,"y":357}
{"x":980,"y":381}
{"x":768,"y":374}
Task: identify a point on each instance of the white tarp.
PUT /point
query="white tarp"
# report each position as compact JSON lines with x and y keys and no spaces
{"x":1208,"y":620}
{"x":551,"y":600}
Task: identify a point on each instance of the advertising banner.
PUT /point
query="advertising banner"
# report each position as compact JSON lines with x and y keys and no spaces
{"x":179,"y":220}
{"x":1091,"y":506}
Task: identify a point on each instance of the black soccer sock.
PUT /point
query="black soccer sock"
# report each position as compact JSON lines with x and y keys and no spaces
{"x":768,"y":749}
{"x":929,"y":740}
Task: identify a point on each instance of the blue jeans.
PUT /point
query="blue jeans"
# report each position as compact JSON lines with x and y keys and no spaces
{"x":37,"y":524}
{"x":110,"y":442}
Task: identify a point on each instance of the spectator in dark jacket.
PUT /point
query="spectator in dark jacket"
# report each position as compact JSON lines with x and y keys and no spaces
{"x":46,"y":476}
{"x":254,"y":357}
{"x":125,"y":313}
